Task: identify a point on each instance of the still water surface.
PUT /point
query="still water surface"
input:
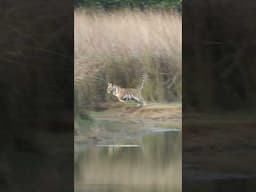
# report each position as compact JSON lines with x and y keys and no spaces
{"x":151,"y":163}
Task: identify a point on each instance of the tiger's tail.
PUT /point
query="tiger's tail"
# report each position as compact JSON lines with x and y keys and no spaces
{"x":144,"y":78}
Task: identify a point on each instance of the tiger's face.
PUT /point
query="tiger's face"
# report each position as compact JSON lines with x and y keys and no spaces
{"x":110,"y":88}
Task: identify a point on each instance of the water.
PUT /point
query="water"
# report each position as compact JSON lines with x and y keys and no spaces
{"x":153,"y":163}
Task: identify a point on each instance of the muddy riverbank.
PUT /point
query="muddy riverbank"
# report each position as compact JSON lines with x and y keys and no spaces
{"x":127,"y":122}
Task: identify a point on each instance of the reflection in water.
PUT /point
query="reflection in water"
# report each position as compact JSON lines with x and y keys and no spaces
{"x":153,"y":166}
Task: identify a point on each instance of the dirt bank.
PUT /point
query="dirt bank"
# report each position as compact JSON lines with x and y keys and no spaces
{"x":116,"y":121}
{"x":163,"y":115}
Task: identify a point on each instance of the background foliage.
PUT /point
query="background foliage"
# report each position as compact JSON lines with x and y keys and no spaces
{"x":131,"y":4}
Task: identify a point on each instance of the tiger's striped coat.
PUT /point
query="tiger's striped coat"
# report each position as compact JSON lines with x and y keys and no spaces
{"x":127,"y":94}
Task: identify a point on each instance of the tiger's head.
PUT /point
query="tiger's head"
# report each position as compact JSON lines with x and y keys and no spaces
{"x":111,"y":88}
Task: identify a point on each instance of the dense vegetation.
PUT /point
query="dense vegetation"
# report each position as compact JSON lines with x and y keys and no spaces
{"x":119,"y":40}
{"x":119,"y":47}
{"x":131,"y":4}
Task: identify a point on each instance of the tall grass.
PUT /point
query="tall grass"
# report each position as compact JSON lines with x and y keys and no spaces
{"x":120,"y":46}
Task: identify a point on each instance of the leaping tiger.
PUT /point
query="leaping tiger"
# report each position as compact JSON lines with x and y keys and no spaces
{"x":128,"y":94}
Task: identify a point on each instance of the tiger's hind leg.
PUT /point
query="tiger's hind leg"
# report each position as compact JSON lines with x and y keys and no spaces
{"x":140,"y":101}
{"x":140,"y":104}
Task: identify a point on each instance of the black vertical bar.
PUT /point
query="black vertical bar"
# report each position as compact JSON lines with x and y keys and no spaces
{"x":36,"y":95}
{"x":219,"y":91}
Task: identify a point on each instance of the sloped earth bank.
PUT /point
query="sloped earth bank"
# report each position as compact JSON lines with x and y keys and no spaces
{"x":122,"y":122}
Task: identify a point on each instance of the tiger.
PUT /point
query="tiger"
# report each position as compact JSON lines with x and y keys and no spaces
{"x":128,"y":94}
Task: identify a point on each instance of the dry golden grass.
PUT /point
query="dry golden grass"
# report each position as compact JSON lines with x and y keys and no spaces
{"x":101,"y":38}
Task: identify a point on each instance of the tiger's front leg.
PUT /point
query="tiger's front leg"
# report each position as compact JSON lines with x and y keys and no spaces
{"x":120,"y":100}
